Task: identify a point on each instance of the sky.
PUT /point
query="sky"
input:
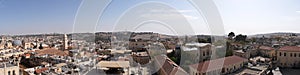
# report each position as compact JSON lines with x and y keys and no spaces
{"x":167,"y":16}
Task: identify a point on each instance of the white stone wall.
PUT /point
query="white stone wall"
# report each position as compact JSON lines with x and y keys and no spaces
{"x":14,"y":70}
{"x":292,"y":59}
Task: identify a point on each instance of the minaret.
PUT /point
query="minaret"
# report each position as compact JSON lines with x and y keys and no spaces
{"x":65,"y":42}
{"x":2,"y":42}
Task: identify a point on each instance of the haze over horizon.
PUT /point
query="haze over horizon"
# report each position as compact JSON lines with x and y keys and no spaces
{"x":240,"y":16}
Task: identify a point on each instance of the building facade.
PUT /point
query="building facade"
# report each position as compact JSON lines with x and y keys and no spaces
{"x":9,"y":70}
{"x":288,"y":56}
{"x":266,"y":51}
{"x":230,"y":64}
{"x":9,"y":66}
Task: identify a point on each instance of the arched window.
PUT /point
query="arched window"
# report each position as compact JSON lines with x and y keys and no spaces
{"x":279,"y":53}
{"x":223,"y":70}
{"x":207,"y":53}
{"x":14,"y":73}
{"x":8,"y":73}
{"x":234,"y":68}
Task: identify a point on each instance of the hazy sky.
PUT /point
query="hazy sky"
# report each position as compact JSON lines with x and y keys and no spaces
{"x":239,"y":16}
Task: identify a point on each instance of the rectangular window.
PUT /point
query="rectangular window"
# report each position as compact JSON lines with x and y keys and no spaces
{"x":207,"y":53}
{"x":284,"y":54}
{"x":291,"y":54}
{"x":279,"y":53}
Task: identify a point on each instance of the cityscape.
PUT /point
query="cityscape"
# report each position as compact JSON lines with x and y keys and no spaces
{"x":116,"y":37}
{"x":147,"y":53}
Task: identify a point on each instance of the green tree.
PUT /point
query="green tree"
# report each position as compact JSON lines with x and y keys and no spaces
{"x":240,"y":37}
{"x":229,"y":51}
{"x":231,"y":35}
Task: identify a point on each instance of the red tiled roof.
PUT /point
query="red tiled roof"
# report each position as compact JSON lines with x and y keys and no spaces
{"x":217,"y":63}
{"x":266,"y":48}
{"x":169,"y":67}
{"x":41,"y":70}
{"x":290,"y":48}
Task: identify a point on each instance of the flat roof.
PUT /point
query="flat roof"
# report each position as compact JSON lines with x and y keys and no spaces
{"x":266,"y":48}
{"x":60,"y":64}
{"x":197,"y":44}
{"x":120,"y":51}
{"x":51,"y":51}
{"x":113,"y":64}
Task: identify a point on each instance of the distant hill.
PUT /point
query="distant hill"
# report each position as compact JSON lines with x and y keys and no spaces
{"x":274,"y":34}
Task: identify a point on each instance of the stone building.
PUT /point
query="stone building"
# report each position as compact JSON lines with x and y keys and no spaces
{"x":141,"y":57}
{"x":288,"y":56}
{"x":9,"y":66}
{"x":230,"y":65}
{"x":198,"y":51}
{"x":242,"y":53}
{"x":266,"y":51}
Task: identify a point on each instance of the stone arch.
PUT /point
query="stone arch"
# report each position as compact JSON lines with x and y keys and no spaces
{"x":8,"y":73}
{"x":14,"y":72}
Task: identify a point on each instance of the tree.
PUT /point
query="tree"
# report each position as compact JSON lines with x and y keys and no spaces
{"x":293,"y":34}
{"x":240,"y":37}
{"x":231,"y":35}
{"x":229,"y":49}
{"x":174,"y":59}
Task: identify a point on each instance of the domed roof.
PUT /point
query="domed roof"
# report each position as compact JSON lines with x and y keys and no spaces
{"x":17,"y":43}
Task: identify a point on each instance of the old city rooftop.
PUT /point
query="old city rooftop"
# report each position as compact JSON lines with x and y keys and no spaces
{"x":212,"y":64}
{"x":266,"y":48}
{"x":168,"y":67}
{"x":290,"y":48}
{"x":51,"y":52}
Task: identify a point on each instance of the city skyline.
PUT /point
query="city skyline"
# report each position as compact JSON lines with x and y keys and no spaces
{"x":242,"y":17}
{"x":149,"y":37}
